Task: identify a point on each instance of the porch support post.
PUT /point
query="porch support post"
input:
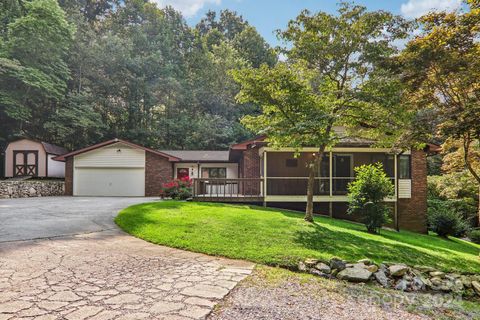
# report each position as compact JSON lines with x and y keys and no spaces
{"x":396,"y":191}
{"x":264,"y":178}
{"x":330,"y":172}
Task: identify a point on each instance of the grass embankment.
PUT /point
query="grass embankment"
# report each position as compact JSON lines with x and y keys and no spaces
{"x":281,"y":237}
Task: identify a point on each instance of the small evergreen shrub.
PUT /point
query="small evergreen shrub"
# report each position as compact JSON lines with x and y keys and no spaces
{"x":445,"y":220}
{"x":367,"y":195}
{"x":474,"y":236}
{"x":177,"y":189}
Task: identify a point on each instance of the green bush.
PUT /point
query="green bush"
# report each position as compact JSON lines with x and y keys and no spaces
{"x":474,"y":236}
{"x":367,"y":194}
{"x":459,"y":189}
{"x":445,"y":220}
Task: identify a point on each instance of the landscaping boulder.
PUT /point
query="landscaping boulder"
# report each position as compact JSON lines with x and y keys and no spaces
{"x":457,"y":286}
{"x":365,"y":261}
{"x":398,"y":270}
{"x":418,"y":284}
{"x":372,"y":268}
{"x":438,"y":274}
{"x":318,"y":273}
{"x":354,"y":274}
{"x":322,"y":267}
{"x":476,"y":287}
{"x":381,"y":277}
{"x":466,"y":281}
{"x":310,"y":263}
{"x":302,"y":267}
{"x":401,"y":285}
{"x":337,"y":264}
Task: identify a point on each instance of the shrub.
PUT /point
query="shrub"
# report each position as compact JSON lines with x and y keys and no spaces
{"x":178,"y":189}
{"x":474,"y":236}
{"x":445,"y":220}
{"x":367,"y":194}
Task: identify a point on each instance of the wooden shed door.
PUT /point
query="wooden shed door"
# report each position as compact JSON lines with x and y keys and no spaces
{"x":25,"y":163}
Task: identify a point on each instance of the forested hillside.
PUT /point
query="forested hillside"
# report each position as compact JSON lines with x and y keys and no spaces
{"x":78,"y":72}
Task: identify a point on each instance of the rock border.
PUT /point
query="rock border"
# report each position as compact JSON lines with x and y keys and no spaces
{"x":31,"y":188}
{"x":396,"y":276}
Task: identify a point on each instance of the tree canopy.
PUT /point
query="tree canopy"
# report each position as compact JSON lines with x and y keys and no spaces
{"x":76,"y":72}
{"x":333,"y":76}
{"x":441,"y":69}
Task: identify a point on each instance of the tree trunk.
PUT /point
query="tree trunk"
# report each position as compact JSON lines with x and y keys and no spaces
{"x":478,"y":216}
{"x":466,"y":157}
{"x":313,"y":167}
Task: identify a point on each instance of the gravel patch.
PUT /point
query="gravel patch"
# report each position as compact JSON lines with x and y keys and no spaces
{"x":287,"y":296}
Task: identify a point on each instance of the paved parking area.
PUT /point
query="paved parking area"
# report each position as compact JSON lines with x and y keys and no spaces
{"x":105,"y":273}
{"x":33,"y":218}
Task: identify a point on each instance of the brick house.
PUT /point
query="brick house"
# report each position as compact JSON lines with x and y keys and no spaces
{"x":252,"y":172}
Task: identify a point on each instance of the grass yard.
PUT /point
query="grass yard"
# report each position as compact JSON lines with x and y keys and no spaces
{"x":280,"y":237}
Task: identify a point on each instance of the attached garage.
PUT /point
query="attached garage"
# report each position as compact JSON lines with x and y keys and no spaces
{"x":116,"y":168}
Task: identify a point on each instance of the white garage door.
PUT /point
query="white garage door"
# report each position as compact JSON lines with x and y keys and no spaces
{"x":128,"y":182}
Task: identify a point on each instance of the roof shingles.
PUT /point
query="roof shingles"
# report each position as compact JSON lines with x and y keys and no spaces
{"x":199,"y":155}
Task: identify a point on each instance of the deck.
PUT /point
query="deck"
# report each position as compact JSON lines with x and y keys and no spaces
{"x":228,"y":190}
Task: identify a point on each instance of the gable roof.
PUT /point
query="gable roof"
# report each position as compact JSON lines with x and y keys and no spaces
{"x":199,"y":155}
{"x":113,"y":141}
{"x":244,"y":144}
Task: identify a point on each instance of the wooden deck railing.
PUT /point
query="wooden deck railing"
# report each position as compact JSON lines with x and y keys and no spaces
{"x":228,"y":188}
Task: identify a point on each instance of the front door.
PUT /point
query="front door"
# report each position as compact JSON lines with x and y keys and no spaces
{"x":25,"y":163}
{"x":183,"y":173}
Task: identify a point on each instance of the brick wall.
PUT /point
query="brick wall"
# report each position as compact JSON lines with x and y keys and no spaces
{"x":412,"y":213}
{"x":250,"y":168}
{"x":251,"y":163}
{"x":157,"y":171}
{"x":69,"y":176}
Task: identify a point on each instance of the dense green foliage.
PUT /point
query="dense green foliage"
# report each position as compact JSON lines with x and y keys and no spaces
{"x":33,"y":68}
{"x":458,"y":191}
{"x":367,"y":194}
{"x":76,"y":72}
{"x":445,"y":220}
{"x":441,"y":70}
{"x":281,"y":237}
{"x":474,"y":236}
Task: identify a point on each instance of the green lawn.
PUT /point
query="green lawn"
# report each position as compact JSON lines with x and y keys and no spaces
{"x":280,"y":237}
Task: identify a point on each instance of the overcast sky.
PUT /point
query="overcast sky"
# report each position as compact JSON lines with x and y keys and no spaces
{"x":269,"y":15}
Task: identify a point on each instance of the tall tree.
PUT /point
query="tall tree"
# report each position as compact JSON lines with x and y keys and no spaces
{"x":33,"y":70}
{"x":233,"y":29}
{"x":333,"y":76}
{"x":442,"y":70}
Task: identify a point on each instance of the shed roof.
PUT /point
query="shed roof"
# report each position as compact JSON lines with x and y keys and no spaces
{"x":53,"y":149}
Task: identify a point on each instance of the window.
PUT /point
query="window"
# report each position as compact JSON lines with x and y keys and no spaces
{"x":404,"y":167}
{"x":214,"y":173}
{"x":387,"y":161}
{"x":291,"y":163}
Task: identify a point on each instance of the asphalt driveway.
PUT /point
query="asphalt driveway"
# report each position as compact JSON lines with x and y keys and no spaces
{"x":64,"y":258}
{"x":34,"y":218}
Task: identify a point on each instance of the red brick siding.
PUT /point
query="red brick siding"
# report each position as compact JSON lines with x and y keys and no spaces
{"x":69,"y":176}
{"x":412,"y":213}
{"x":157,"y":171}
{"x":249,"y":167}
